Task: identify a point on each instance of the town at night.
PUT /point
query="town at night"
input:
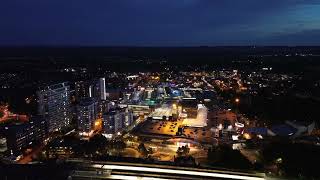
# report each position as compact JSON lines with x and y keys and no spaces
{"x":159,"y":89}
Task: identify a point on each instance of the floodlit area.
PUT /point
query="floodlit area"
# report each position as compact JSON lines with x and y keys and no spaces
{"x":200,"y":120}
{"x":162,"y":111}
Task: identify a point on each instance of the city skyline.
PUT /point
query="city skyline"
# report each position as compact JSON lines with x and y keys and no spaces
{"x":240,"y":112}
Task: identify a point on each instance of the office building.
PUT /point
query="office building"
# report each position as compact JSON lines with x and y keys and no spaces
{"x":54,"y":105}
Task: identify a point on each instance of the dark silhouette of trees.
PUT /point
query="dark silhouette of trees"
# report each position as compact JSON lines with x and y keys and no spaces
{"x":226,"y":157}
{"x":293,"y":159}
{"x":183,"y":151}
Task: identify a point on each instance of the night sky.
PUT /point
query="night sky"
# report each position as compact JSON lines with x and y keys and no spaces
{"x":159,"y":22}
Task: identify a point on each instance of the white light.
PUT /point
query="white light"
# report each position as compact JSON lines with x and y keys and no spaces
{"x":235,"y":137}
{"x":133,"y":177}
{"x":240,"y":125}
{"x":259,"y":136}
{"x":181,"y":172}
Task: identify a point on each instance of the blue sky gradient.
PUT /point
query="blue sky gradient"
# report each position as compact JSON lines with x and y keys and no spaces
{"x":159,"y":22}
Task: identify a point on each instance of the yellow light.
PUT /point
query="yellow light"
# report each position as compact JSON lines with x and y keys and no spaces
{"x":246,"y":136}
{"x":174,"y":106}
{"x":237,"y":100}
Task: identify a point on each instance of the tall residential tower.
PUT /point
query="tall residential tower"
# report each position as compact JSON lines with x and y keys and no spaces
{"x":87,"y":113}
{"x":54,"y":105}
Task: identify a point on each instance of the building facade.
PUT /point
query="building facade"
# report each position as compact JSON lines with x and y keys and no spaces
{"x":82,"y":89}
{"x":102,"y":86}
{"x":116,"y":120}
{"x":54,"y":104}
{"x":20,"y":135}
{"x":87,"y":113}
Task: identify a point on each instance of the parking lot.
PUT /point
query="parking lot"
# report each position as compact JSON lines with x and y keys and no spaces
{"x":200,"y":134}
{"x":161,"y":127}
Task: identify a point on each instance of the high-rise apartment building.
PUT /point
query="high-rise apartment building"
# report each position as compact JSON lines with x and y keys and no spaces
{"x":54,"y":105}
{"x":116,"y":120}
{"x":82,"y":89}
{"x":87,"y":113}
{"x":102,"y":85}
{"x":21,"y":134}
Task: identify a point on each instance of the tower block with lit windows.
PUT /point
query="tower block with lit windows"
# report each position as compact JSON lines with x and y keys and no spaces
{"x":54,"y":105}
{"x":87,"y":114}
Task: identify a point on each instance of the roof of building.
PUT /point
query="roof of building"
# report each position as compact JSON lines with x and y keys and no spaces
{"x":283,"y":130}
{"x":258,"y":130}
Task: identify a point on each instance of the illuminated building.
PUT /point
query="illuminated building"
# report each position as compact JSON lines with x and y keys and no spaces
{"x":116,"y":120}
{"x":104,"y":106}
{"x":82,"y":89}
{"x":114,"y":93}
{"x":200,"y":120}
{"x":102,"y":85}
{"x":87,"y":113}
{"x":54,"y":105}
{"x":95,"y":88}
{"x":21,"y":134}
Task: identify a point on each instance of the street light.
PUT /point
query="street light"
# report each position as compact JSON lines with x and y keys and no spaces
{"x":237,"y":100}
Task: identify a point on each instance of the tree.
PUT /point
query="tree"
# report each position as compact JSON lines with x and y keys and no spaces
{"x":226,"y":157}
{"x":99,"y":141}
{"x":120,"y":145}
{"x":142,"y":149}
{"x":294,"y":159}
{"x":96,"y":143}
{"x":183,"y":151}
{"x":185,"y":161}
{"x":214,"y":155}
